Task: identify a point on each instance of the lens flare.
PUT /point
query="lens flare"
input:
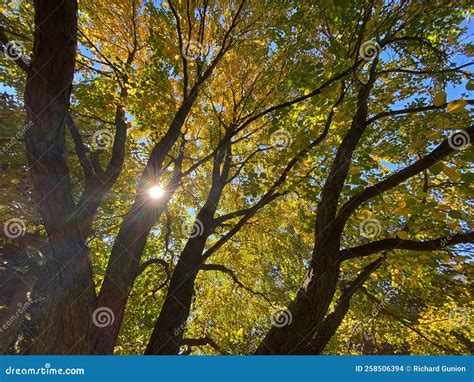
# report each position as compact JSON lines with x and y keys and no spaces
{"x":156,"y":192}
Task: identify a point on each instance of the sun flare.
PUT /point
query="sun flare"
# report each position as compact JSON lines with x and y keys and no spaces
{"x":156,"y":192}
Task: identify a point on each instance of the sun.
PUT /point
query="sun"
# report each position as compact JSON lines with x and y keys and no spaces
{"x":156,"y":192}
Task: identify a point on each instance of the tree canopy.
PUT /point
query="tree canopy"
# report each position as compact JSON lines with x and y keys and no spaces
{"x":236,"y":177}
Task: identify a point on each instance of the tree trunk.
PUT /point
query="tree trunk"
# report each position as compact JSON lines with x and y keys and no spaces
{"x":169,"y":327}
{"x":70,"y":297}
{"x":124,"y":262}
{"x":307,"y":311}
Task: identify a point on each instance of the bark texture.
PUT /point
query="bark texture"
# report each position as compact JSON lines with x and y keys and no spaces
{"x":70,"y":294}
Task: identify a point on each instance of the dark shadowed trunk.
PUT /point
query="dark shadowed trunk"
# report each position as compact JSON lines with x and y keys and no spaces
{"x":312,"y":302}
{"x":70,"y":293}
{"x":124,"y":262}
{"x":169,"y":328}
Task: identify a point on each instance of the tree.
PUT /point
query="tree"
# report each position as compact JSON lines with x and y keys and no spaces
{"x":263,"y":151}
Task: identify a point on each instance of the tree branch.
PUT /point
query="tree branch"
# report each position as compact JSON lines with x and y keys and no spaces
{"x":440,"y":152}
{"x":231,"y":273}
{"x":413,"y":245}
{"x":326,"y":329}
{"x":202,"y":342}
{"x":411,"y":110}
{"x":19,"y":61}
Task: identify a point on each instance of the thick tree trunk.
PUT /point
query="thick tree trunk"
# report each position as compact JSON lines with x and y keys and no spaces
{"x":331,"y":323}
{"x":123,"y":268}
{"x":307,"y":311}
{"x":169,"y":327}
{"x":70,"y":297}
{"x":124,"y":262}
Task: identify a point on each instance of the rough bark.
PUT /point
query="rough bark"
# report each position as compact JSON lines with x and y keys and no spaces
{"x":311,"y":304}
{"x":124,"y":262}
{"x":331,"y":322}
{"x":169,"y":328}
{"x":70,"y":295}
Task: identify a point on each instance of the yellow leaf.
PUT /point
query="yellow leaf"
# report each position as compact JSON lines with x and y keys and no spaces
{"x":416,"y":145}
{"x":365,"y":214}
{"x":307,"y":91}
{"x":443,"y":123}
{"x":400,"y":211}
{"x":439,"y":99}
{"x":452,"y":173}
{"x":402,"y":235}
{"x":456,"y":106}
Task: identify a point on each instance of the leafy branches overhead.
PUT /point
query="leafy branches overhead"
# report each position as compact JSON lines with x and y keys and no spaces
{"x":225,"y":175}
